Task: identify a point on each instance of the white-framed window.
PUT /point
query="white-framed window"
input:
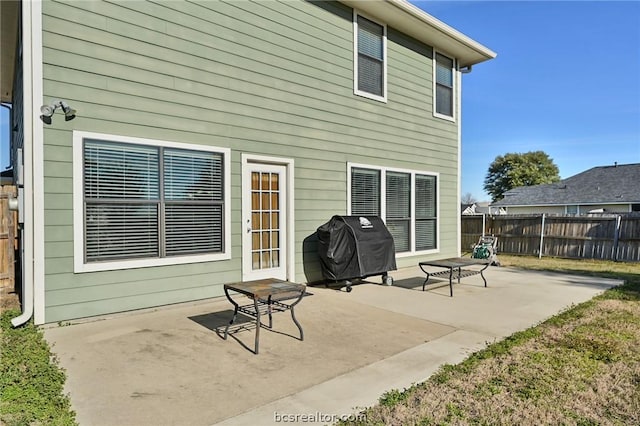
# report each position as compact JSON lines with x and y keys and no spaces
{"x":572,"y":209}
{"x":407,"y":201}
{"x":370,"y":58}
{"x":142,"y":202}
{"x":444,"y":90}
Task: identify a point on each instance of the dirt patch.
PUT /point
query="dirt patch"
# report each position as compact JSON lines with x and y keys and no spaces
{"x":8,"y":298}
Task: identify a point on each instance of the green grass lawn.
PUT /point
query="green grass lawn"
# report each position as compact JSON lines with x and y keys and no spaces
{"x":581,"y":367}
{"x":31,"y":383}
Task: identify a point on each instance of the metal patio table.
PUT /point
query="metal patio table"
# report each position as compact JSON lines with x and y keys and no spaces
{"x":269,"y":295}
{"x":455,"y":267}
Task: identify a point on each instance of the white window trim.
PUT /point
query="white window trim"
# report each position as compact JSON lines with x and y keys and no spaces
{"x":356,"y":91}
{"x":566,"y":209}
{"x":290,"y":214}
{"x":454,"y":93}
{"x":383,"y":201}
{"x":79,"y":265}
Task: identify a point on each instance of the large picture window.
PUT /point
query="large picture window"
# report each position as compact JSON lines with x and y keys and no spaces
{"x":370,"y":58}
{"x":144,"y":203}
{"x":406,"y":201}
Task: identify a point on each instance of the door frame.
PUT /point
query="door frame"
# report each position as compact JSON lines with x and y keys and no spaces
{"x":289,"y":257}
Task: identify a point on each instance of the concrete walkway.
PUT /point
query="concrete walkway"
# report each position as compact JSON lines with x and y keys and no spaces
{"x":170,"y":365}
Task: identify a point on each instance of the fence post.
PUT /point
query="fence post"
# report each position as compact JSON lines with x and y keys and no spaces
{"x":483,"y":224}
{"x":541,"y":237}
{"x":616,"y":238}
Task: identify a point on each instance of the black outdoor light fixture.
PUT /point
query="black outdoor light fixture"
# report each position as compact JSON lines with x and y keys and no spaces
{"x":48,"y":110}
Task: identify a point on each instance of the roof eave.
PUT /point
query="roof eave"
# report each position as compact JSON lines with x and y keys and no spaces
{"x":569,"y":203}
{"x":413,"y":21}
{"x":8,"y":38}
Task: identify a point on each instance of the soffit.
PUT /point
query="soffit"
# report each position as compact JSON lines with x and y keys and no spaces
{"x":418,"y":24}
{"x":8,"y":37}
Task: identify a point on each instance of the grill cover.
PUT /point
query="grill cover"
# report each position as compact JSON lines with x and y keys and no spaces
{"x":355,"y":247}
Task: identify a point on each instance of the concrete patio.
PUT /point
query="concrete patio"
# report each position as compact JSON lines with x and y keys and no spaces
{"x":170,"y":366}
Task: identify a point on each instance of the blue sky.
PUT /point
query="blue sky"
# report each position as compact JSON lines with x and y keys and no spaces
{"x":566,"y":81}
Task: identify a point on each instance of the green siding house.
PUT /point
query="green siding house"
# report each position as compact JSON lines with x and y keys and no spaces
{"x":162,"y":149}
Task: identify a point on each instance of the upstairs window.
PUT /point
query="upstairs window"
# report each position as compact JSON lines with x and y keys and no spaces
{"x":444,"y":92}
{"x":370,"y":46}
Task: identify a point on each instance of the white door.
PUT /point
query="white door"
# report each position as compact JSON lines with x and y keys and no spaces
{"x":264,"y":251}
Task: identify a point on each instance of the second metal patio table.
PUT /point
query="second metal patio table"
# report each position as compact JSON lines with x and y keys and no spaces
{"x":455,"y":267}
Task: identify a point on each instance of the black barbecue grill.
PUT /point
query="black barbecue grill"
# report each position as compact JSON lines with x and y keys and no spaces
{"x":353,"y":247}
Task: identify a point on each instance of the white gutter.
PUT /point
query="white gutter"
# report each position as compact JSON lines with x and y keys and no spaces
{"x":444,"y":29}
{"x":572,"y":203}
{"x":411,"y":20}
{"x":33,"y":254}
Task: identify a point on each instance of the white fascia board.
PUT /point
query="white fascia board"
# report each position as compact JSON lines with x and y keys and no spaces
{"x":577,"y":203}
{"x":415,"y":22}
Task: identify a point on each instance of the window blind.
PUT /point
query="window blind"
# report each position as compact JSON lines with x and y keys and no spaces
{"x":426,"y":211}
{"x":193,"y":229}
{"x":114,"y":171}
{"x":365,"y":192}
{"x":121,"y":231}
{"x":192,"y":175}
{"x":398,"y":203}
{"x":146,"y":201}
{"x":370,"y":57}
{"x":444,"y":85}
{"x":402,"y":199}
{"x":195,"y":179}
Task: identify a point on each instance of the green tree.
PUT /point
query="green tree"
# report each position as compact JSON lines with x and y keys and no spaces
{"x":514,"y":169}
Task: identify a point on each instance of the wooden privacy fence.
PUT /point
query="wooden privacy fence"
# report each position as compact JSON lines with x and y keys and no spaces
{"x":8,"y":229}
{"x":611,"y":237}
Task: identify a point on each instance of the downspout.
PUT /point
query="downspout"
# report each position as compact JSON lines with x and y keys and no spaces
{"x":30,"y":13}
{"x":616,"y":238}
{"x":541,"y":237}
{"x":459,"y":188}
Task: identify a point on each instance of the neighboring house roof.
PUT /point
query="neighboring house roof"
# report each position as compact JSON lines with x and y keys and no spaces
{"x":468,"y":208}
{"x":479,"y":208}
{"x":616,"y":184}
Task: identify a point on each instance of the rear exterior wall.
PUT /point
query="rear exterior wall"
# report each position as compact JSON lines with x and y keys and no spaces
{"x":265,"y":78}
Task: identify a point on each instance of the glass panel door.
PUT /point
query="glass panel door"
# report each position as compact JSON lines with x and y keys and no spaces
{"x":264,"y":211}
{"x":265,"y":220}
